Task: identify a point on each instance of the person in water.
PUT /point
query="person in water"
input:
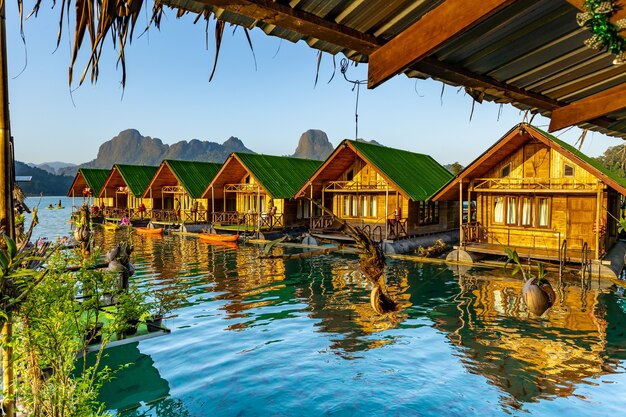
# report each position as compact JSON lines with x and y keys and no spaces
{"x":59,"y":205}
{"x":50,"y":206}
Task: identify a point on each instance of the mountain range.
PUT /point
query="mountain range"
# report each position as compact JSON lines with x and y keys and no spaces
{"x":130,"y":147}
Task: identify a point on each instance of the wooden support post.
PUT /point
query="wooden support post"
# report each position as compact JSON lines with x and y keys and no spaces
{"x":213,"y":204}
{"x":461,"y":237}
{"x":311,"y":204}
{"x":387,"y":212}
{"x":6,"y":214}
{"x":598,"y":209}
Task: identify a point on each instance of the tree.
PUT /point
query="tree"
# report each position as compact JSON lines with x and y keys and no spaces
{"x":614,"y":159}
{"x":456,"y":168}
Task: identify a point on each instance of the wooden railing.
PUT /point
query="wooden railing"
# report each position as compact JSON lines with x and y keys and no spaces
{"x":472,"y":232}
{"x":322,"y":222}
{"x":164,"y":215}
{"x":195,"y":216}
{"x":397,"y":228}
{"x":355,"y":186}
{"x":548,"y":184}
{"x":276,"y":221}
{"x":228,"y":218}
{"x":115,"y":212}
{"x":243,"y":187}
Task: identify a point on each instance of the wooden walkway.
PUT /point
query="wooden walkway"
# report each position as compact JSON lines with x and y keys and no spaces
{"x":572,"y":255}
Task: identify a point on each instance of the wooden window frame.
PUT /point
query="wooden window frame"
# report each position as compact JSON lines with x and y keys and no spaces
{"x":533,"y":211}
{"x":507,"y":166}
{"x":427,"y":210}
{"x":568,"y":165}
{"x":506,"y":210}
{"x":549,"y":222}
{"x":503,"y":197}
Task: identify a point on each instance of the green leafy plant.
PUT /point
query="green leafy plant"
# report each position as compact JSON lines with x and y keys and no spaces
{"x":513,"y":258}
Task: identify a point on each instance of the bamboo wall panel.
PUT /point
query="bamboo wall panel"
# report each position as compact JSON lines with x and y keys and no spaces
{"x":580,"y":222}
{"x":516,"y":159}
{"x":536,"y":160}
{"x":558,"y":162}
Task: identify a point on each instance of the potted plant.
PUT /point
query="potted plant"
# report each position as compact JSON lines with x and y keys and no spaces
{"x":164,"y":302}
{"x":130,"y":311}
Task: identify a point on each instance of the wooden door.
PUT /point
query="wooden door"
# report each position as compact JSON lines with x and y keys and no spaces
{"x":581,"y":217}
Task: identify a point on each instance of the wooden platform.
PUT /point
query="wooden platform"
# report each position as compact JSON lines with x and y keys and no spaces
{"x":572,"y":256}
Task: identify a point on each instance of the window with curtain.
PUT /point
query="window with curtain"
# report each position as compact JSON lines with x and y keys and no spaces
{"x":498,"y":210}
{"x":527,"y":210}
{"x":511,"y":210}
{"x":373,"y":211}
{"x":346,"y":206}
{"x":543,"y":212}
{"x":364,"y":206}
{"x":355,"y":206}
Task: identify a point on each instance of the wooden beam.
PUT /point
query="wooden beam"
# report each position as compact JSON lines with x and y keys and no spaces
{"x":579,"y":4}
{"x":441,"y":24}
{"x":307,"y":24}
{"x":589,"y":108}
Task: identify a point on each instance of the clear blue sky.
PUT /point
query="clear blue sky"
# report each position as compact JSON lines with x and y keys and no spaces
{"x":168,"y":95}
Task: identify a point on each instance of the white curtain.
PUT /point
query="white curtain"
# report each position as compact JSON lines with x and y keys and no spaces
{"x":543,"y":212}
{"x":373,"y":206}
{"x":498,"y":212}
{"x":527,"y":212}
{"x":511,"y":212}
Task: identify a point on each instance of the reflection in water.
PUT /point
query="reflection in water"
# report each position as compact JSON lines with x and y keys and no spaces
{"x":526,"y":357}
{"x":280,"y":335}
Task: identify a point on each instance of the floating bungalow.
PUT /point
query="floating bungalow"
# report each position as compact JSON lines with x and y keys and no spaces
{"x":122,"y":193}
{"x":539,"y":195}
{"x":382,"y":190}
{"x":87,"y":185}
{"x":175,"y":192}
{"x":257,"y":191}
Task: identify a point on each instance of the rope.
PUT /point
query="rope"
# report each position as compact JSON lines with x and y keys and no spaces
{"x":343,"y":67}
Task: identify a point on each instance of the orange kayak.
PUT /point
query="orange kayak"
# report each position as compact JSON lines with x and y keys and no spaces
{"x":215,"y":237}
{"x":147,"y":230}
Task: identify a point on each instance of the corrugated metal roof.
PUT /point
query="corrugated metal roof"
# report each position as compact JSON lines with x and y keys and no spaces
{"x":530,"y":54}
{"x":417,"y":175}
{"x":280,"y":176}
{"x":194,"y":176}
{"x":136,"y":177}
{"x":95,"y":178}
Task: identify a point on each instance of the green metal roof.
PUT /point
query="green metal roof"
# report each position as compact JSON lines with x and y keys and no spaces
{"x":95,"y":178}
{"x":136,"y":177}
{"x":194,"y":176}
{"x":595,"y":164}
{"x":417,"y":175}
{"x":280,"y":176}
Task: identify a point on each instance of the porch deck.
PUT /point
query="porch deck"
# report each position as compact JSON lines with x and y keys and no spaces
{"x":571,"y":256}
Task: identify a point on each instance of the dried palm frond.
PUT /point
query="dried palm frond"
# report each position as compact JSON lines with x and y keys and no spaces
{"x":96,"y":20}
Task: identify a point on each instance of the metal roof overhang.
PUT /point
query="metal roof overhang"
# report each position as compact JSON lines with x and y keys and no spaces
{"x":529,"y":53}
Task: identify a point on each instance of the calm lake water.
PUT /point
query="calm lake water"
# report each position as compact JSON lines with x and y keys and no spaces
{"x":298,"y":337}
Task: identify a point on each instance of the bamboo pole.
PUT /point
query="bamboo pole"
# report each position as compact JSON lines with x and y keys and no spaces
{"x":6,"y":213}
{"x":6,"y":164}
{"x":8,"y":385}
{"x":461,"y":237}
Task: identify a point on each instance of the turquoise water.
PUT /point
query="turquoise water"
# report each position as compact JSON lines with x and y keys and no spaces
{"x":298,"y":337}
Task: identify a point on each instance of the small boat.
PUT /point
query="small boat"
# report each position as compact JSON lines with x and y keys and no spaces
{"x":111,"y":226}
{"x":150,"y":231}
{"x":215,"y":237}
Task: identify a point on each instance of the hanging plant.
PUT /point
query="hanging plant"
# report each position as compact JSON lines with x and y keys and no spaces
{"x":606,"y":35}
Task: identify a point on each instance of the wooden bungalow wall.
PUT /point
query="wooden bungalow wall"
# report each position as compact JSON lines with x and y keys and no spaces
{"x":572,"y":213}
{"x":367,"y":175}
